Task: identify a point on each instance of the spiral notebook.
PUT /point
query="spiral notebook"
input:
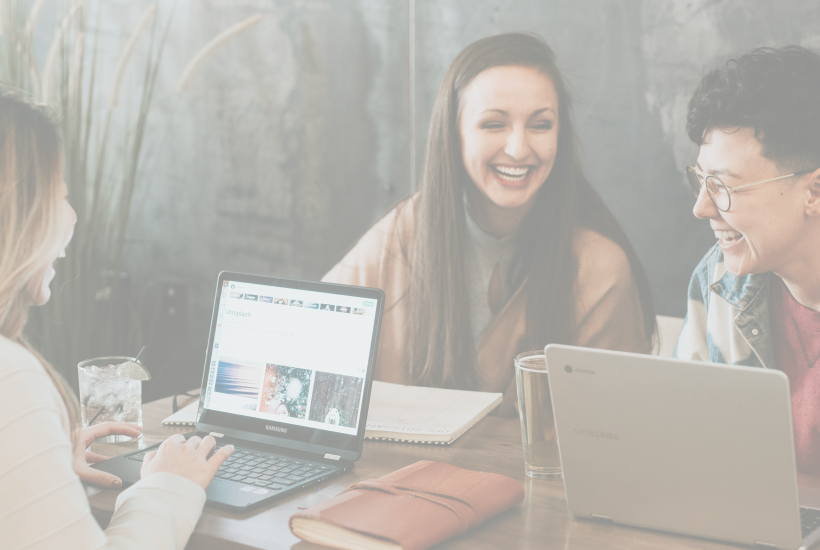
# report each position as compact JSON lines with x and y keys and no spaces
{"x":185,"y":416}
{"x":416,"y":414}
{"x":409,"y":414}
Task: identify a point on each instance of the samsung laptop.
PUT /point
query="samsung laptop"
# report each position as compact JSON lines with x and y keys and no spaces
{"x":287,"y":381}
{"x":694,"y":448}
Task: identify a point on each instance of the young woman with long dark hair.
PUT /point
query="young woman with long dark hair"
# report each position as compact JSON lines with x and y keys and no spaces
{"x":506,"y":247}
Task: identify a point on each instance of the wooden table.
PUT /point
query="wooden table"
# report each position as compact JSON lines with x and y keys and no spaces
{"x":542,"y":521}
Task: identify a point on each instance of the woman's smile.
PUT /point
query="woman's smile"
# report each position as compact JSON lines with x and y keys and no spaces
{"x":511,"y":176}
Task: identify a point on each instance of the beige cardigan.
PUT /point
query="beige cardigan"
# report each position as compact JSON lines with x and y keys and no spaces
{"x":43,"y":504}
{"x":608,"y":310}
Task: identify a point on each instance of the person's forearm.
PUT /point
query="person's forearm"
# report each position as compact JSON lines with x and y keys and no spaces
{"x":159,"y":512}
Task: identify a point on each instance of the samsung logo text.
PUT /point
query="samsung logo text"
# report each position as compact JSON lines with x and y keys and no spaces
{"x":598,"y":434}
{"x":276,"y":429}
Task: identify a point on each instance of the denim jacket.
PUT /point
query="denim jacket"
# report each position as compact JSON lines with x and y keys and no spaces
{"x":727,"y":317}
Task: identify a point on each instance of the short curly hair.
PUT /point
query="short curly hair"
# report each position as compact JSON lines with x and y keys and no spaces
{"x":776,"y":91}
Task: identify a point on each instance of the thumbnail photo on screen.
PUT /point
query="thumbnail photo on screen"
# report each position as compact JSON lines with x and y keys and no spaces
{"x":336,"y":399}
{"x":240,"y":381}
{"x":285,"y":391}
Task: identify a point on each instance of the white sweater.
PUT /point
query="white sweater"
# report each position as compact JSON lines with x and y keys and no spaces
{"x":42,"y":501}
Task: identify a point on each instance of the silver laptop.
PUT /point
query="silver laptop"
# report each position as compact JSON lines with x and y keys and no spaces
{"x":693,"y":448}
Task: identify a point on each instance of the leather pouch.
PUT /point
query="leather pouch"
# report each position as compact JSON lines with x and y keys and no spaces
{"x":412,"y":508}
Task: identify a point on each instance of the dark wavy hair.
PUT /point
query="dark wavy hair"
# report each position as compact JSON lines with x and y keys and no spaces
{"x":441,"y":347}
{"x":775,"y":91}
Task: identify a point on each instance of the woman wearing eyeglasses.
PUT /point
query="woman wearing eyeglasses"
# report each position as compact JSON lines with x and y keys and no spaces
{"x":754,"y":299}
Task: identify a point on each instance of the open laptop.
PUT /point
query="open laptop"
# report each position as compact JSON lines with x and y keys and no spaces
{"x":287,"y":381}
{"x":694,"y":448}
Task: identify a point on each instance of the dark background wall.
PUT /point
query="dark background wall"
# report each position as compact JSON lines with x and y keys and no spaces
{"x":297,"y":135}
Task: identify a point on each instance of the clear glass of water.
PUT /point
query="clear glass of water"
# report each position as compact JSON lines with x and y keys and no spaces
{"x":541,"y":458}
{"x":108,"y":396}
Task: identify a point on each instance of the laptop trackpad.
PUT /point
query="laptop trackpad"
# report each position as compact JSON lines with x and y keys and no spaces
{"x":809,"y":496}
{"x":126,"y":469}
{"x":234,"y":494}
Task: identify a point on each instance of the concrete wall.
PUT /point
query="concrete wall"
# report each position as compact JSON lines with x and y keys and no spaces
{"x":296,"y":137}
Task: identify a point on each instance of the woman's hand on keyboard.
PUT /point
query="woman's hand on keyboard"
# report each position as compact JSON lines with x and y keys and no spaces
{"x":83,"y":458}
{"x":190,"y":458}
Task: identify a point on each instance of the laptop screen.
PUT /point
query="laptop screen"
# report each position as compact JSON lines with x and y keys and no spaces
{"x":289,"y":360}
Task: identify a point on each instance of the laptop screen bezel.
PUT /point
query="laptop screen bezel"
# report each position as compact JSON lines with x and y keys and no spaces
{"x":310,"y":440}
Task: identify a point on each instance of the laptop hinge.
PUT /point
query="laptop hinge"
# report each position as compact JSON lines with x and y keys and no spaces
{"x":600,"y":517}
{"x":332,"y":457}
{"x":765,"y":544}
{"x":216,"y":434}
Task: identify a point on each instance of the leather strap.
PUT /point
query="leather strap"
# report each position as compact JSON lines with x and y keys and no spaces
{"x":397,"y":490}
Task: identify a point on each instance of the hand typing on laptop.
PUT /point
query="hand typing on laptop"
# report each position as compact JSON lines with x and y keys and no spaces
{"x":196,"y":459}
{"x":188,"y":458}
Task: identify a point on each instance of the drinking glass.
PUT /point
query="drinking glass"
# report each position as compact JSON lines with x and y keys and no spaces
{"x":107,"y":395}
{"x":541,"y":458}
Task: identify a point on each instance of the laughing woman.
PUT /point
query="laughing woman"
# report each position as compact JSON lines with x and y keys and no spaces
{"x":506,"y":247}
{"x":42,"y":502}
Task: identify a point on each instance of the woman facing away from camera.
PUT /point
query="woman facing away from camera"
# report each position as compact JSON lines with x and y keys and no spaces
{"x":42,"y":502}
{"x":506,"y":247}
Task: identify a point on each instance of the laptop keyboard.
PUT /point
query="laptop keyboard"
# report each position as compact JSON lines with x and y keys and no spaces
{"x":809,"y":520}
{"x":261,"y":469}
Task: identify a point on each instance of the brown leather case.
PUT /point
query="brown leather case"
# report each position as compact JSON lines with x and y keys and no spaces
{"x":420,"y":505}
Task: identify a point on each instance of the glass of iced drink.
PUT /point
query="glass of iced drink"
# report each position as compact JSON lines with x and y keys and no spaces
{"x":541,"y":458}
{"x":111,"y":391}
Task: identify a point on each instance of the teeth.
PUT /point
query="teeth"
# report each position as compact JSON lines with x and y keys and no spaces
{"x":727,"y":235}
{"x":512,"y":171}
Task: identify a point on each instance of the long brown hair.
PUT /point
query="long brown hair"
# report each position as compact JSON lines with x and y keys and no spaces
{"x":30,"y":202}
{"x":441,"y":347}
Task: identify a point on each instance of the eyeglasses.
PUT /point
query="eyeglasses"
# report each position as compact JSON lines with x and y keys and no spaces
{"x":720,"y":194}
